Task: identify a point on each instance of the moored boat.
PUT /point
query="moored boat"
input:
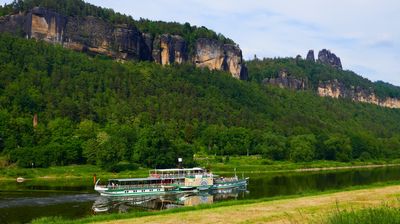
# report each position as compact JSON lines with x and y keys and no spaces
{"x":230,"y":183}
{"x":168,"y":181}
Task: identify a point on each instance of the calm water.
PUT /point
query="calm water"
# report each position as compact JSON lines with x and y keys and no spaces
{"x":22,"y":202}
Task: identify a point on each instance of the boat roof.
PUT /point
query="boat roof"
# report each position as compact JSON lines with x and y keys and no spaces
{"x":134,"y":179}
{"x":177,"y":169}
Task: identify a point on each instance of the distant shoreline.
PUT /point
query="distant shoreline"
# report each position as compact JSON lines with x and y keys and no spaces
{"x":345,"y":167}
{"x":87,"y":171}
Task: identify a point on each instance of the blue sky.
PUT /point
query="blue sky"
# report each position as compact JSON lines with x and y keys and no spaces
{"x":365,"y":34}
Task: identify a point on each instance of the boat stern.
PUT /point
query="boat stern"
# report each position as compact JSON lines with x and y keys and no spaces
{"x":100,"y":188}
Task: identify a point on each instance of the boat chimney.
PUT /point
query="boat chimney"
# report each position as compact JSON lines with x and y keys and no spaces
{"x":180,"y":163}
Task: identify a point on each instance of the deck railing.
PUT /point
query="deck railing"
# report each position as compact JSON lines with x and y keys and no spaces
{"x":225,"y":180}
{"x":137,"y":186}
{"x":179,"y":176}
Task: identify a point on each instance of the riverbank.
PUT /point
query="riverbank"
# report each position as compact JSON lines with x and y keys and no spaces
{"x":255,"y":164}
{"x":312,"y":207}
{"x":251,"y":164}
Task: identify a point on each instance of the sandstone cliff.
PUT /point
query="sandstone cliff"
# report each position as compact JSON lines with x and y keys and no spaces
{"x":335,"y":89}
{"x":122,"y":42}
{"x":211,"y":54}
{"x":332,"y":88}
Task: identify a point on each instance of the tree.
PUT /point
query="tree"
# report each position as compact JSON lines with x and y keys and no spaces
{"x":211,"y":138}
{"x":158,"y":147}
{"x":338,"y":147}
{"x":105,"y":150}
{"x":274,"y":147}
{"x":87,"y":129}
{"x":111,"y":152}
{"x":365,"y":142}
{"x":302,"y":148}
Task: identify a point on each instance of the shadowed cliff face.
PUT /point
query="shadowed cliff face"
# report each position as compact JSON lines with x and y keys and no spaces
{"x":168,"y":49}
{"x":310,"y":56}
{"x":285,"y":80}
{"x":94,"y":35}
{"x":328,"y":58}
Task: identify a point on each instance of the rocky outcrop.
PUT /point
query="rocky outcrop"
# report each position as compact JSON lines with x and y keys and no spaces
{"x":336,"y":89}
{"x":286,"y":80}
{"x":15,"y":24}
{"x":87,"y":34}
{"x":38,"y":23}
{"x":46,"y":25}
{"x":122,"y":42}
{"x":310,"y":56}
{"x":328,"y":58}
{"x":214,"y":55}
{"x":169,"y":49}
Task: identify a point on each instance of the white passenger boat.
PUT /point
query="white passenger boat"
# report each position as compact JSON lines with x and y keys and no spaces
{"x":168,"y":181}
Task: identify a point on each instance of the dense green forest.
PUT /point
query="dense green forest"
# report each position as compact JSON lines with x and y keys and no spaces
{"x":315,"y":72}
{"x":80,"y":8}
{"x":94,"y":110}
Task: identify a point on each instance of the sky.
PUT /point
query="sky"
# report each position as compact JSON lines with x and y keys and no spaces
{"x":365,"y":34}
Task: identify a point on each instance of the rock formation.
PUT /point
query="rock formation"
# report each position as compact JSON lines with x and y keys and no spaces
{"x":169,"y":49}
{"x":122,"y":42}
{"x":328,"y":58}
{"x":336,"y":89}
{"x":286,"y":80}
{"x":310,"y":56}
{"x":211,"y":54}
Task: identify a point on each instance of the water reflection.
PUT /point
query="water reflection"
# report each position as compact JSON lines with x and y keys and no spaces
{"x":168,"y":201}
{"x":14,"y":202}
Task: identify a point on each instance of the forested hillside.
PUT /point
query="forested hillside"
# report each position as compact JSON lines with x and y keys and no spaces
{"x":95,"y":110}
{"x":316,"y":73}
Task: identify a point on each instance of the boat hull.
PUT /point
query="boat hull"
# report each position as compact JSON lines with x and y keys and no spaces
{"x":143,"y":192}
{"x":231,"y":184}
{"x":137,"y":192}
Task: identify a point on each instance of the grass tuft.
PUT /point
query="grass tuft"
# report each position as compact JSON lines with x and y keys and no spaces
{"x":383,"y":215}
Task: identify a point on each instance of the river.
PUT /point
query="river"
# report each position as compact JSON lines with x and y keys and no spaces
{"x":22,"y":202}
